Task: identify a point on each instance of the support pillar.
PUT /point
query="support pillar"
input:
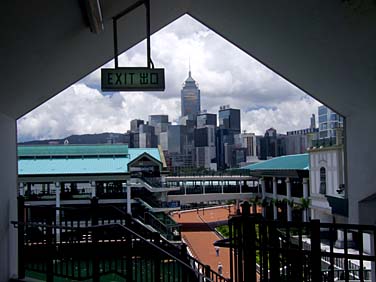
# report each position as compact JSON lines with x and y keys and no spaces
{"x":129,"y":207}
{"x":93,"y":189}
{"x":288,"y":193}
{"x":203,"y":186}
{"x":262,"y":182}
{"x":57,"y":204}
{"x":21,"y":189}
{"x":275,"y":210}
{"x":222,"y":186}
{"x":263,"y":195}
{"x":305,"y":196}
{"x":185,"y":187}
{"x":240,"y":186}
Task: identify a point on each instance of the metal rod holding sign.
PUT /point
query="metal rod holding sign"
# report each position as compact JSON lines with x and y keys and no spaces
{"x":133,"y":79}
{"x":115,"y":44}
{"x":146,"y":3}
{"x":149,"y":61}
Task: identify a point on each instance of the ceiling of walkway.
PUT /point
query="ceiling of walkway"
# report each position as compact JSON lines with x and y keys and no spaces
{"x":324,"y":47}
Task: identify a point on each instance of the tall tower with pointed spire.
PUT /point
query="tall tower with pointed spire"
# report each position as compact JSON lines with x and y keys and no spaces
{"x":190,"y":97}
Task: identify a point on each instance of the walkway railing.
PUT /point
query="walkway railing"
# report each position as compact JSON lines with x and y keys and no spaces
{"x":281,"y":250}
{"x":155,"y":204}
{"x":98,"y":251}
{"x":213,"y":189}
{"x":169,"y":231}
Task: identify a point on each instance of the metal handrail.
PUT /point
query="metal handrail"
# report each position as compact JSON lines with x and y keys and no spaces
{"x":205,"y":273}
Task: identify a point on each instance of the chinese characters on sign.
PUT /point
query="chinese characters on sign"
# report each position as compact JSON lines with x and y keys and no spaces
{"x":133,"y":79}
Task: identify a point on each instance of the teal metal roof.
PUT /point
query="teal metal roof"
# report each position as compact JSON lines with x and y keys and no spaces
{"x":136,"y":152}
{"x":99,"y":159}
{"x":291,"y":162}
{"x":71,"y":150}
{"x":102,"y":165}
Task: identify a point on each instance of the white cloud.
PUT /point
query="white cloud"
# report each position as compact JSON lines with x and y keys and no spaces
{"x":226,"y":75}
{"x":287,"y":116}
{"x":81,"y":109}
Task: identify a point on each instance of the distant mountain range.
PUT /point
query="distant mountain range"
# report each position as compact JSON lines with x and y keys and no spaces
{"x":101,"y":138}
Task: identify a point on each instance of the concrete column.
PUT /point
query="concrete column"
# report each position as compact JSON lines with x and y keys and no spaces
{"x":93,"y":189}
{"x":185,"y":187}
{"x":129,"y":207}
{"x":57,"y":204}
{"x":305,"y":196}
{"x":222,"y":186}
{"x":275,"y":210}
{"x":288,"y":193}
{"x":263,"y":195}
{"x":22,"y":191}
{"x":240,"y":186}
{"x":203,"y":186}
{"x":237,"y":204}
{"x":305,"y":188}
{"x":262,"y":182}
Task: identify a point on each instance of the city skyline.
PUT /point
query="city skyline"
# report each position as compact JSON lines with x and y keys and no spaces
{"x":226,"y":75}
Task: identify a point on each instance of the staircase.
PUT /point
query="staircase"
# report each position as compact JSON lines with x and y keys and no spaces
{"x":97,"y":247}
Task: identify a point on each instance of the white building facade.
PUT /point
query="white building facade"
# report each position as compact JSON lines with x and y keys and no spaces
{"x":327,"y":183}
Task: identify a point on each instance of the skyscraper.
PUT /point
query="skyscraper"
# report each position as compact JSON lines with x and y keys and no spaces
{"x":229,"y":119}
{"x":190,"y":97}
{"x":329,"y":121}
{"x":135,"y":124}
{"x":160,"y":123}
{"x":204,"y":119}
{"x":205,"y":150}
{"x":147,"y":137}
{"x":229,"y":125}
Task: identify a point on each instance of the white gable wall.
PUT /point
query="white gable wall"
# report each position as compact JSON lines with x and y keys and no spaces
{"x":331,"y":159}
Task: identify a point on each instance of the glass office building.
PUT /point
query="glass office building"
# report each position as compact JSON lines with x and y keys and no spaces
{"x":329,"y":121}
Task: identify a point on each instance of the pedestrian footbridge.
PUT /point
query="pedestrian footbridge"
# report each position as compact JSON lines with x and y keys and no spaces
{"x":206,"y":188}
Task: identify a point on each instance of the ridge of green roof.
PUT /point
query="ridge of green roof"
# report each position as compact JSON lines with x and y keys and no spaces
{"x":71,"y":150}
{"x":289,"y":162}
{"x":109,"y":159}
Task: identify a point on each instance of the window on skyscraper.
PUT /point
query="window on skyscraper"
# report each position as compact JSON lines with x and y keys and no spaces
{"x":323,"y":118}
{"x":323,"y":110}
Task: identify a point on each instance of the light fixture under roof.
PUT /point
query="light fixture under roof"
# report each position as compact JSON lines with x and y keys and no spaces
{"x":94,"y":15}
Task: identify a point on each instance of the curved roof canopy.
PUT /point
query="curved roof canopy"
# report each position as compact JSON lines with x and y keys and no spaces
{"x":284,"y":166}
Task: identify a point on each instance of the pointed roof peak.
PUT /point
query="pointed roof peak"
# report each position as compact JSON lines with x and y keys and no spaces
{"x":189,"y":70}
{"x":189,"y":79}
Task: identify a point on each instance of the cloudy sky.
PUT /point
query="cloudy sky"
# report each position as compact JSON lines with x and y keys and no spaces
{"x":225,"y":74}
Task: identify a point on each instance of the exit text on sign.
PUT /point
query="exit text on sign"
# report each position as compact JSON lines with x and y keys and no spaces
{"x":133,"y":79}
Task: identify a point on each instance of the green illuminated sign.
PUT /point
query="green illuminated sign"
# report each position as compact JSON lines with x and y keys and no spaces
{"x":133,"y":79}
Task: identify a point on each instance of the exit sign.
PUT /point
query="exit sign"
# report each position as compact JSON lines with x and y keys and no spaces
{"x":133,"y":79}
